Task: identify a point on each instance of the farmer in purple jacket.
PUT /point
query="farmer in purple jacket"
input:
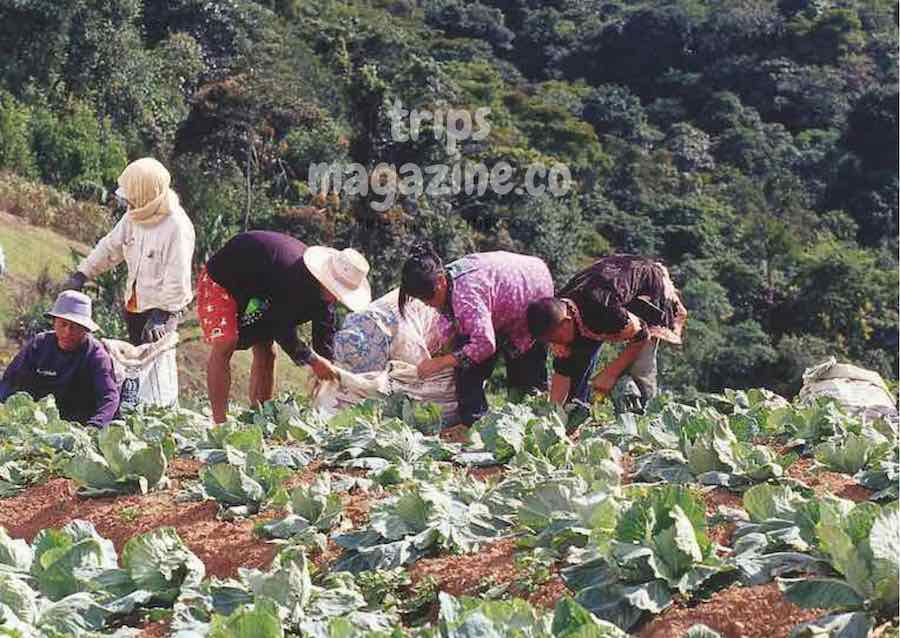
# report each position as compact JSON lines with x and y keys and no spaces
{"x":69,"y":363}
{"x":482,"y":299}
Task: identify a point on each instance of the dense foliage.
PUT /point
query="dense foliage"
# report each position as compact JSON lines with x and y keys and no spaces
{"x":750,"y":144}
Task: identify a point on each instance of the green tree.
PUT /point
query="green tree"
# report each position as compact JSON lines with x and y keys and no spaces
{"x":844,"y":295}
{"x":551,"y":228}
{"x":470,"y":19}
{"x":15,"y":138}
{"x":75,"y":149}
{"x":614,"y":110}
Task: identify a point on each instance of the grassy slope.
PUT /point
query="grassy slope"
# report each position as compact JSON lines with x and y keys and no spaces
{"x":30,"y":249}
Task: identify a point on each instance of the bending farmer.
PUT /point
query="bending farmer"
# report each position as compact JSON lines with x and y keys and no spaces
{"x":483,"y":298}
{"x":369,"y":340}
{"x":155,"y":238}
{"x":256,"y":290}
{"x":622,"y":298}
{"x":69,"y":363}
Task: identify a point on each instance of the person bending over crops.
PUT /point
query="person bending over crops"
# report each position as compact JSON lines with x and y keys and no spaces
{"x":69,"y":363}
{"x":155,"y":238}
{"x":622,"y":298}
{"x":378,"y":351}
{"x":369,"y":340}
{"x":256,"y":290}
{"x":483,"y":298}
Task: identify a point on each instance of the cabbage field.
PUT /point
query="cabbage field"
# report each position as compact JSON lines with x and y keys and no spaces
{"x":738,"y":515}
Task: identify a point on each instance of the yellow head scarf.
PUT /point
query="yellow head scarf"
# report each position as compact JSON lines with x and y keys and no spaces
{"x":145,"y":184}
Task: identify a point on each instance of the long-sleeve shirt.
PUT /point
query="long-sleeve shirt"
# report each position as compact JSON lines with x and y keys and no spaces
{"x":82,"y":382}
{"x":607,"y":293}
{"x":158,"y":258}
{"x":489,"y":295}
{"x":269,"y":266}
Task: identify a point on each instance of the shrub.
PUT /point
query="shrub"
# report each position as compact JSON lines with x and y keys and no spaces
{"x":15,"y":144}
{"x":75,"y":149}
{"x":45,"y":206}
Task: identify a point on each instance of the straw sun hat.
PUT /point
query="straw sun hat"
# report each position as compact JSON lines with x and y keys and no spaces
{"x":343,"y":272}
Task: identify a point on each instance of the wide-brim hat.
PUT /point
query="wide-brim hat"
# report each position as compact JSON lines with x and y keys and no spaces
{"x":344,"y":273}
{"x":74,"y":306}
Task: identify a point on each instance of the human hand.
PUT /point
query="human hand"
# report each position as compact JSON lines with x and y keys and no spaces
{"x":322,"y":368}
{"x":155,"y":328}
{"x":604,"y":382}
{"x":75,"y":281}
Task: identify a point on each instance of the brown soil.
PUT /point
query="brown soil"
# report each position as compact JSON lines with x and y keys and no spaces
{"x":223,"y":546}
{"x":463,"y":575}
{"x":825,"y":482}
{"x":351,"y":472}
{"x":356,"y":507}
{"x":456,"y":434}
{"x":155,"y":630}
{"x":722,"y":533}
{"x":721,"y":496}
{"x":304,"y":477}
{"x":774,"y":443}
{"x":322,"y":559}
{"x":494,"y":564}
{"x":736,"y":612}
{"x":181,"y":469}
{"x":549,"y":593}
{"x":627,"y":464}
{"x":485,"y":473}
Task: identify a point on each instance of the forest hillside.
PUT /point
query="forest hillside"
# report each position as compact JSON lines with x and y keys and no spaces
{"x":752,"y":145}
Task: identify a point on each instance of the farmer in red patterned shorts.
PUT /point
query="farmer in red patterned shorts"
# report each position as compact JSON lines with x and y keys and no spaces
{"x":256,"y":290}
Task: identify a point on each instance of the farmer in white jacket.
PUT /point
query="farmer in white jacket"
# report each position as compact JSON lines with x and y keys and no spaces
{"x":155,"y":238}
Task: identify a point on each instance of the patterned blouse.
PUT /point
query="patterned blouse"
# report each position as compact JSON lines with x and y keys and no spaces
{"x":368,"y":340}
{"x":613,"y":287}
{"x":489,"y":295}
{"x":602,"y":297}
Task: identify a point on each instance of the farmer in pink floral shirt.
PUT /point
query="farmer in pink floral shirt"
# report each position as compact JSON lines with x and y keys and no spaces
{"x":483,"y":299}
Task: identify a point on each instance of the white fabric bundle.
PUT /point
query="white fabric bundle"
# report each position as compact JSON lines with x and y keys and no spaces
{"x":147,"y":374}
{"x":859,"y":390}
{"x":411,"y":339}
{"x":400,"y":377}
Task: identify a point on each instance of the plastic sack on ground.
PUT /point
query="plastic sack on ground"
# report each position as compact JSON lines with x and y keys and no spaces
{"x":860,"y":391}
{"x":400,"y":377}
{"x":377,"y":351}
{"x":147,"y":374}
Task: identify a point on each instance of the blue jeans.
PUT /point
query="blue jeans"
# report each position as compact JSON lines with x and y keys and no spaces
{"x":640,"y":378}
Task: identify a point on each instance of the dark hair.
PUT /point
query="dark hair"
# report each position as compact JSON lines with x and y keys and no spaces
{"x":420,"y":274}
{"x":544,"y":315}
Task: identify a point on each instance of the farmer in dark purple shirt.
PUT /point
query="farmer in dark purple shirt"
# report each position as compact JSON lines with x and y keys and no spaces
{"x":69,"y":363}
{"x":256,"y":290}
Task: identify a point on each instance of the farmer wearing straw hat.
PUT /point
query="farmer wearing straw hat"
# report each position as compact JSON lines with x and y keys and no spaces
{"x":256,"y":290}
{"x":156,"y":239}
{"x":69,"y":363}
